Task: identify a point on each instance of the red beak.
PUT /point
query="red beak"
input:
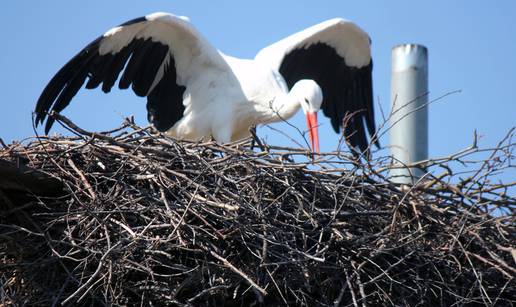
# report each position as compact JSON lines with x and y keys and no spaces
{"x":311,"y":122}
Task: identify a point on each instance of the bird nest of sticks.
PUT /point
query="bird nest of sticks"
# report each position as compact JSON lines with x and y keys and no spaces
{"x":131,"y":217}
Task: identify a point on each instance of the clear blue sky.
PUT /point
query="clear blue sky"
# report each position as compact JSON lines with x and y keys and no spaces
{"x":472,"y":48}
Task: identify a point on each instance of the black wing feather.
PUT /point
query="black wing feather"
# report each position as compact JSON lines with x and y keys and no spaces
{"x":66,"y":95}
{"x":142,"y":59}
{"x":135,"y":65}
{"x":164,"y":92}
{"x":143,"y":81}
{"x":346,"y":90}
{"x":61,"y":80}
{"x":99,"y":67}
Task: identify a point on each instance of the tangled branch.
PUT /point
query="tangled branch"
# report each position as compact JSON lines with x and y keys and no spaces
{"x":131,"y":217}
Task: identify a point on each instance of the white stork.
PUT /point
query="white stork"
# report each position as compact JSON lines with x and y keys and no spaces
{"x":196,"y":92}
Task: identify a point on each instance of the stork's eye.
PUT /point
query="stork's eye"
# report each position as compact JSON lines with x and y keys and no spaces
{"x":306,"y":100}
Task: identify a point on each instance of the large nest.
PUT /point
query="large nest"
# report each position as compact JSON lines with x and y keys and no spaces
{"x":131,"y":217}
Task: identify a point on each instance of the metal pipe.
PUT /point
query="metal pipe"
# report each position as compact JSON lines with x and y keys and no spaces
{"x":409,"y":115}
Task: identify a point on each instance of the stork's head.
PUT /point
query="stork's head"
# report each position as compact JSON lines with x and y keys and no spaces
{"x":310,"y":97}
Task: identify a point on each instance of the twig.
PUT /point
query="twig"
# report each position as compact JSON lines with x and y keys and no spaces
{"x":242,"y":274}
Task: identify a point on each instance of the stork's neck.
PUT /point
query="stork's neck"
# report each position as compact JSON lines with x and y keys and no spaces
{"x":283,"y":107}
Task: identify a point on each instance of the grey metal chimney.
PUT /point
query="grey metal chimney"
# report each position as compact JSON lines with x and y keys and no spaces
{"x":409,"y":120}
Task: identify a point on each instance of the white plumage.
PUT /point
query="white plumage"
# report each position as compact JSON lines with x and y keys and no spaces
{"x":196,"y":92}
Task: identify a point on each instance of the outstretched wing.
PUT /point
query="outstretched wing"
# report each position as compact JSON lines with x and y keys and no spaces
{"x":160,"y":55}
{"x":337,"y":55}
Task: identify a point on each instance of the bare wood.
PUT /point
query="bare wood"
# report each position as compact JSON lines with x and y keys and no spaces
{"x":236,"y":270}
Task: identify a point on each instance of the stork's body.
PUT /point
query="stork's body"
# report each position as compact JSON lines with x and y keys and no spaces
{"x":251,"y":95}
{"x":195,"y":92}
